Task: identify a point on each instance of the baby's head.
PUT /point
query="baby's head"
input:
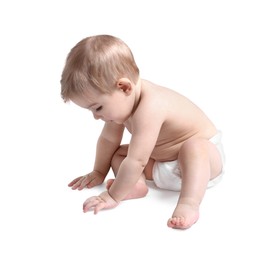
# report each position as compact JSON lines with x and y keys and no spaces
{"x":97,"y":62}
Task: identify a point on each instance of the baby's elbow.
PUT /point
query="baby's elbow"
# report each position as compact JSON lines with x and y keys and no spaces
{"x":137,"y":163}
{"x":142,"y":163}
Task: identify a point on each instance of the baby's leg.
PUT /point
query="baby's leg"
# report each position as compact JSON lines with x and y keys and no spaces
{"x":140,"y":189}
{"x":199,"y":161}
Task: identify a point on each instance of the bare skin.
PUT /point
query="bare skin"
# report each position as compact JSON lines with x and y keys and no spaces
{"x":187,"y":211}
{"x":165,"y":126}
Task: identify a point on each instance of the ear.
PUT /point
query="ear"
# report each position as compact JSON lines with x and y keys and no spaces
{"x":125,"y":85}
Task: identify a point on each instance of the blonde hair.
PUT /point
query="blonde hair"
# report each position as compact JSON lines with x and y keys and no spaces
{"x":97,"y":62}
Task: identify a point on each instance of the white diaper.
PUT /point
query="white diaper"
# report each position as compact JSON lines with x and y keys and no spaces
{"x":166,"y":175}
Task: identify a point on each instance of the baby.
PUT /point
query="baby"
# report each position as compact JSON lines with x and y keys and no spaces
{"x":172,"y":141}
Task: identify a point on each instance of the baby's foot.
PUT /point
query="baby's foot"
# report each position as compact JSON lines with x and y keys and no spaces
{"x":184,"y":216}
{"x":140,"y":190}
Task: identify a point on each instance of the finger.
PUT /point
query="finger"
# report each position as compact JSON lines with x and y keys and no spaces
{"x":74,"y":181}
{"x":99,"y":206}
{"x":77,"y":184}
{"x":92,"y":183}
{"x":85,"y":183}
{"x":90,"y":203}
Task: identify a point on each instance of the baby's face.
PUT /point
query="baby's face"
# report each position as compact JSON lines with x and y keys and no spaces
{"x":115,"y":107}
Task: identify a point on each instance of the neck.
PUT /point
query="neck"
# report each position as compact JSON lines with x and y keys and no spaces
{"x":137,"y":95}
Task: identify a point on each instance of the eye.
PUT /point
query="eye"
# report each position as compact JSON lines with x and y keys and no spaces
{"x":99,"y":108}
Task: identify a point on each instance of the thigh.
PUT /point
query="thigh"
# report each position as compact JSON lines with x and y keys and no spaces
{"x":122,"y":150}
{"x":148,"y":170}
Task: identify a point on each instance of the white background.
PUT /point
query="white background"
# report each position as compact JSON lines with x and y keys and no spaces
{"x":211,"y":51}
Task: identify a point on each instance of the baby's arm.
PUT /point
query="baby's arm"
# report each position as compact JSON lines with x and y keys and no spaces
{"x":141,"y":146}
{"x":146,"y":126}
{"x":108,"y":142}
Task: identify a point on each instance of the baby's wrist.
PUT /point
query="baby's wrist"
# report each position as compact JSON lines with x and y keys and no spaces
{"x":113,"y":197}
{"x":99,"y":172}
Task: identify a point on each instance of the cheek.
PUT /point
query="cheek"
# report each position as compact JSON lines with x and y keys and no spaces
{"x":114,"y":114}
{"x":108,"y":113}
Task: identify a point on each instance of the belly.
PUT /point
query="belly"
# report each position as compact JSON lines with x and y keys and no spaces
{"x":166,"y":152}
{"x":169,"y":150}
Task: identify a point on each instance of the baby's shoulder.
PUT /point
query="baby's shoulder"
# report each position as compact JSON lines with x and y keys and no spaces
{"x":154,"y":101}
{"x":158,"y":95}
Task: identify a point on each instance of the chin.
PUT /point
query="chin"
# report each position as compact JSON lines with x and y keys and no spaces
{"x":118,"y":123}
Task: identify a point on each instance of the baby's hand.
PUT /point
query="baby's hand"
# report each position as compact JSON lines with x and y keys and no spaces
{"x":89,"y":180}
{"x":103,"y":201}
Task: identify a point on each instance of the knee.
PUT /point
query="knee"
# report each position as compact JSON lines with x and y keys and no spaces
{"x":121,"y":152}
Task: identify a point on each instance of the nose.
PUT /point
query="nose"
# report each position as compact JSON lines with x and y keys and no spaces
{"x":97,"y":117}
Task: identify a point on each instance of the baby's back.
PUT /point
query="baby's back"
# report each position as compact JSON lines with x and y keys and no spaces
{"x":183,"y":120}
